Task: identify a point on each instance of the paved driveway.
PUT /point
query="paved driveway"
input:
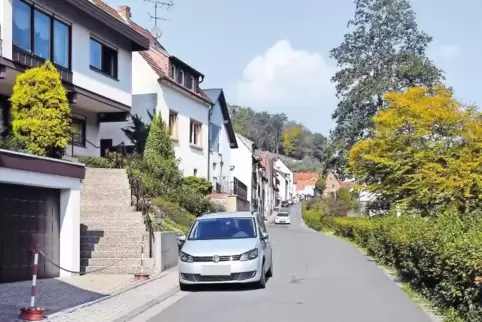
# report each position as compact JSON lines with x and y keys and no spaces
{"x":316,"y":278}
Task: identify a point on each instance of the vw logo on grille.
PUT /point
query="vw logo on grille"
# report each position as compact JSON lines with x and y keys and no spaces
{"x":215,"y":258}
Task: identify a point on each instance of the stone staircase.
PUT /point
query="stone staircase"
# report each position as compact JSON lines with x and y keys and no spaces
{"x":110,"y":229}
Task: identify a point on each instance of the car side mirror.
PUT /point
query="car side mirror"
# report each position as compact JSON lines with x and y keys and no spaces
{"x":181,"y":239}
{"x":264,"y":236}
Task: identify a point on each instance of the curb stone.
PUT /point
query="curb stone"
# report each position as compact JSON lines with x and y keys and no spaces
{"x":117,"y":292}
{"x":131,"y":315}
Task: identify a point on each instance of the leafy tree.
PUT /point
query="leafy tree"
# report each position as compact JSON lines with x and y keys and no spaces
{"x":383,"y":52}
{"x":320,"y":185}
{"x":425,"y":152}
{"x":40,"y":111}
{"x":138,"y":131}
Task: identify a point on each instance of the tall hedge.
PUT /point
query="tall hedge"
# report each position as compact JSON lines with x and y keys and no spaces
{"x":40,"y":111}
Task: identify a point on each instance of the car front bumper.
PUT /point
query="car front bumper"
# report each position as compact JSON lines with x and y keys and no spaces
{"x":241,"y":272}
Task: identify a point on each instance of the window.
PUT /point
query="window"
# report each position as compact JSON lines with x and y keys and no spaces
{"x":195,"y":172}
{"x":195,"y":133}
{"x":188,"y":82}
{"x":180,"y":76}
{"x":173,"y":124}
{"x":103,"y":58}
{"x":214,"y":131}
{"x":172,"y":71}
{"x":61,"y":44}
{"x":22,"y":29}
{"x":43,"y":36}
{"x":78,"y":131}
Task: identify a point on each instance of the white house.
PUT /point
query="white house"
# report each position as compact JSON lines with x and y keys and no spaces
{"x":170,"y":86}
{"x":221,"y":140}
{"x":90,"y":47}
{"x":286,"y":180}
{"x":242,"y":160}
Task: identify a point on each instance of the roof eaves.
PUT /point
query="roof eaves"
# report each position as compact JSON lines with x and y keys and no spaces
{"x":101,"y":12}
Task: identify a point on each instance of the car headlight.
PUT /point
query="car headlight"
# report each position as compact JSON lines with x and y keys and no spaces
{"x":252,"y":254}
{"x":186,"y":258}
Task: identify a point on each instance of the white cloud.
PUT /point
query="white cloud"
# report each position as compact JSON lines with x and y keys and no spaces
{"x":285,"y":79}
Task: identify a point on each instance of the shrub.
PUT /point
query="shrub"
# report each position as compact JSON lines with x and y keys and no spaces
{"x":40,"y":111}
{"x":173,"y":212}
{"x":113,"y":160}
{"x":439,"y":257}
{"x":201,"y":185}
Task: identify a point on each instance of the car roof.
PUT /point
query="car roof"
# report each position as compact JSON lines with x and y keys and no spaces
{"x":283,"y":212}
{"x":235,"y":214}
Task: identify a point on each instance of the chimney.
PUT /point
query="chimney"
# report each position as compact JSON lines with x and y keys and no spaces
{"x":125,"y":12}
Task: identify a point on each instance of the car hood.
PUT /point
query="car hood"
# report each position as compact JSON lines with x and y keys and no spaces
{"x":222,"y":247}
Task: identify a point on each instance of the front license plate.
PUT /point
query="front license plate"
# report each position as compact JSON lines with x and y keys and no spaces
{"x":223,"y":270}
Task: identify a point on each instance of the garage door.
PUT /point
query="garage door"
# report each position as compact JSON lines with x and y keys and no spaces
{"x":28,"y":215}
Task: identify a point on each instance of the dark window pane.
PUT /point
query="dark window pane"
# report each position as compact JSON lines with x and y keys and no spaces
{"x":109,"y":61}
{"x":21,"y":25}
{"x":41,"y":39}
{"x":78,"y":128}
{"x":188,"y":81}
{"x":95,"y":54}
{"x":61,"y":44}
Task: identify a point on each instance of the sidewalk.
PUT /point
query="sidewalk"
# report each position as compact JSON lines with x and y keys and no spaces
{"x":51,"y":293}
{"x":271,"y":217}
{"x":126,"y":305}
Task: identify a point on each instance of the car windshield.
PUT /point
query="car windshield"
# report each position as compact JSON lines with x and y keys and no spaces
{"x":223,"y":228}
{"x":283,"y":214}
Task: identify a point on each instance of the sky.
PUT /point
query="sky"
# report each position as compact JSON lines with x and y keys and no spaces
{"x":273,"y":55}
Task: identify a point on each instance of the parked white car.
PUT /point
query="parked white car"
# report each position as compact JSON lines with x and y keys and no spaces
{"x":226,"y":248}
{"x":282,"y":218}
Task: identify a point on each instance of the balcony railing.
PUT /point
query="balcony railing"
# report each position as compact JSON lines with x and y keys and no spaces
{"x":30,"y":61}
{"x":234,"y":187}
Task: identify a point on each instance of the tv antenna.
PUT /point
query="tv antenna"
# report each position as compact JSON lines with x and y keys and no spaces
{"x":156,"y":31}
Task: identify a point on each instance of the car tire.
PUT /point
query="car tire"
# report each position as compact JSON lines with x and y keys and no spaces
{"x":262,"y":278}
{"x":270,"y":270}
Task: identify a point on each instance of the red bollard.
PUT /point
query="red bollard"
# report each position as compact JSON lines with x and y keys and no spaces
{"x":141,"y":276}
{"x":33,"y":313}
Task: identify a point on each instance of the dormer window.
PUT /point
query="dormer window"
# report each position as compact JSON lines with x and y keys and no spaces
{"x":172,"y":71}
{"x":188,"y":82}
{"x":180,"y":76}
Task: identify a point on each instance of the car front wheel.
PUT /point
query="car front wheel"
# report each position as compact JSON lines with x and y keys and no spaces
{"x":262,"y":279}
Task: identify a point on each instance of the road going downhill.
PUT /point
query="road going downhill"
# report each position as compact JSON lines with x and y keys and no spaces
{"x":316,"y":278}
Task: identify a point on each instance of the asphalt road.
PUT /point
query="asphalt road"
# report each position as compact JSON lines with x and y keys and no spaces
{"x":316,"y":278}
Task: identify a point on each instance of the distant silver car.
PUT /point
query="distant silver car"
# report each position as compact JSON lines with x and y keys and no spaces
{"x":226,"y":248}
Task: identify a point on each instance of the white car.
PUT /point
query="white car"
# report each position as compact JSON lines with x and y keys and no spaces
{"x":282,"y":218}
{"x":226,"y":248}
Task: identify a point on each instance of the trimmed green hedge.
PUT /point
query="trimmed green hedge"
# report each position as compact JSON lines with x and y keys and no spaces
{"x":441,"y":258}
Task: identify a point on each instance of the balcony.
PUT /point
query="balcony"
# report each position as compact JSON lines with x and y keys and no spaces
{"x":31,"y":61}
{"x":234,"y":187}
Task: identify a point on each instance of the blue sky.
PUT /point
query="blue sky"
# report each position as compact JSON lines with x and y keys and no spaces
{"x":273,"y":55}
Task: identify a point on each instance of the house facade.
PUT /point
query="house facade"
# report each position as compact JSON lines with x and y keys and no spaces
{"x":166,"y":84}
{"x":92,"y":51}
{"x":222,"y":140}
{"x":305,"y":183}
{"x":333,"y":184}
{"x":243,"y":161}
{"x":286,"y":180}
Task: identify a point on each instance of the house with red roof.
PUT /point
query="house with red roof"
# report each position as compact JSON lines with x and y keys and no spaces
{"x":164,"y":83}
{"x":92,"y":49}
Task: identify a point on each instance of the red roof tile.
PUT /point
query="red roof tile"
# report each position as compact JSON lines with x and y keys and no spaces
{"x":156,"y":58}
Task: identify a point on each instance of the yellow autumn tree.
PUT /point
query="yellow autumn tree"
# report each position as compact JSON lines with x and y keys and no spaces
{"x":425,"y":152}
{"x":292,"y":134}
